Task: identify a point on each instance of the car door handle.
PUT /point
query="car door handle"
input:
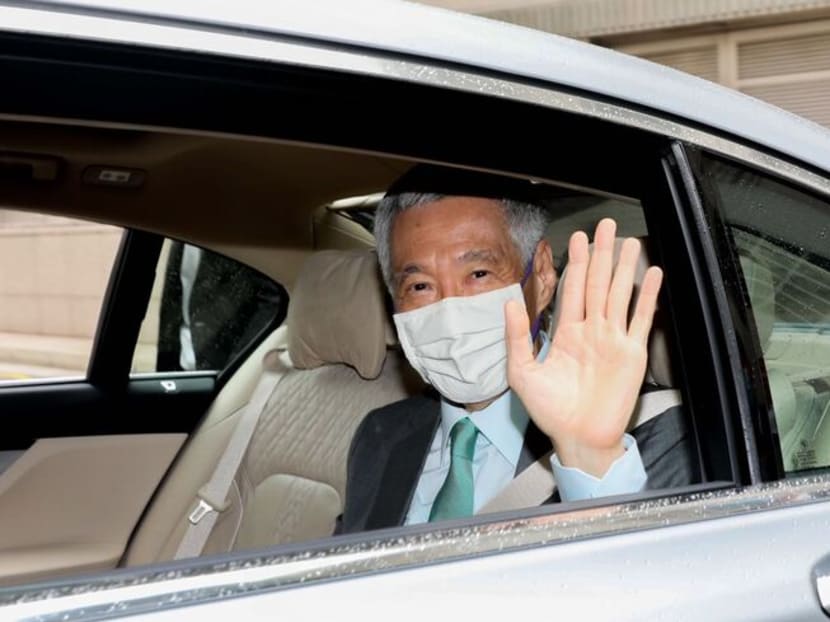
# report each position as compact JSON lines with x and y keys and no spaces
{"x":821,"y":573}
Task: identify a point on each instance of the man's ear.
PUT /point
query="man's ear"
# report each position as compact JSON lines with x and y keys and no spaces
{"x":544,"y":277}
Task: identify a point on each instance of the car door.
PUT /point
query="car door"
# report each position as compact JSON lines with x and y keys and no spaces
{"x":742,"y":544}
{"x":79,"y":442}
{"x":86,"y":441}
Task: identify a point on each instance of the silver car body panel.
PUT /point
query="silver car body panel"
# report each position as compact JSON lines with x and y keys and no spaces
{"x":716,"y":544}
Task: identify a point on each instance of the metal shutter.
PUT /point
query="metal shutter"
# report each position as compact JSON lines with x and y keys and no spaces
{"x":791,"y":72}
{"x":810,"y":99}
{"x":702,"y":61}
{"x":784,"y":56}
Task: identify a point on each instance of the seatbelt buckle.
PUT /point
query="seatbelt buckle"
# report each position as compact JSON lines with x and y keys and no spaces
{"x":205,"y":506}
{"x":199,"y":512}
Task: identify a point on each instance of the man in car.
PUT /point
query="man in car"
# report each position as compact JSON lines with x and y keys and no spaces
{"x":470,"y":275}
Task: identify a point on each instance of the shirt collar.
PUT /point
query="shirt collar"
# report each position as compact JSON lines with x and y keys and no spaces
{"x":503,"y":423}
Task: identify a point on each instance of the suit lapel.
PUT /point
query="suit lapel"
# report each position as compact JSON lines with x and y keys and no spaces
{"x":407,"y":453}
{"x":535,"y":446}
{"x":404,"y":463}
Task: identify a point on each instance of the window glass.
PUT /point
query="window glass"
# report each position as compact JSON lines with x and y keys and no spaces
{"x":53,"y":279}
{"x":204,"y":310}
{"x":781,"y":236}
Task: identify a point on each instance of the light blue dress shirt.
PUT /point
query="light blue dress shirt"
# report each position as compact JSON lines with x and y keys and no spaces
{"x":502,"y":427}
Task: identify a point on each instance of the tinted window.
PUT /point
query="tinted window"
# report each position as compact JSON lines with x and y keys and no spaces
{"x":205,"y":310}
{"x":781,"y":235}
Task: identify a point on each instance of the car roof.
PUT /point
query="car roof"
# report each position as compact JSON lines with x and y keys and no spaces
{"x":441,"y":35}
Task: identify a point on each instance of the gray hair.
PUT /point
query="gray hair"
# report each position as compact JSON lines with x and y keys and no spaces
{"x":527,"y":224}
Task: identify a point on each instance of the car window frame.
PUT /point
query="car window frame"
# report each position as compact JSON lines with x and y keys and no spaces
{"x":125,"y":302}
{"x":220,"y":376}
{"x":115,"y":332}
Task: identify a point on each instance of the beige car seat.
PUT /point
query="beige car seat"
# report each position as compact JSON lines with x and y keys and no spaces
{"x":761,"y":289}
{"x":291,"y":484}
{"x":798,"y":410}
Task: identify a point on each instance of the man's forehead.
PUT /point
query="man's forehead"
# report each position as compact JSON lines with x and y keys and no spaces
{"x":460,"y":229}
{"x":481,"y":254}
{"x":462,"y":253}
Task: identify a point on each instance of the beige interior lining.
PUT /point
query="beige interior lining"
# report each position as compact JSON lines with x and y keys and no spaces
{"x":70,"y":504}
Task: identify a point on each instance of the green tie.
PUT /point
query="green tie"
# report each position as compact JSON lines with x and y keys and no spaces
{"x":455,"y":499}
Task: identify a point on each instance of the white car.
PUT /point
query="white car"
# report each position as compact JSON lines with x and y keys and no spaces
{"x":239,"y":147}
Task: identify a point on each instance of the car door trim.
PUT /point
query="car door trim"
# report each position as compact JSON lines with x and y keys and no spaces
{"x":709,"y":261}
{"x":208,"y":579}
{"x":123,"y":309}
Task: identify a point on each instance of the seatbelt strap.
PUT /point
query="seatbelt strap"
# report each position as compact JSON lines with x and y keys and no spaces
{"x":212,"y":497}
{"x":536,"y":484}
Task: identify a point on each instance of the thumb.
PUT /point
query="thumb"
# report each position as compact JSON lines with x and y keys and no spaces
{"x":517,"y":338}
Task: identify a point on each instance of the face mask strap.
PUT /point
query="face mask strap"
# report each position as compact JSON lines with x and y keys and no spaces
{"x":528,"y":271}
{"x":537,"y":323}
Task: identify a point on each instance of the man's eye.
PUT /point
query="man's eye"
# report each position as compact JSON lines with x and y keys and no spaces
{"x":480,"y":274}
{"x":418,"y":287}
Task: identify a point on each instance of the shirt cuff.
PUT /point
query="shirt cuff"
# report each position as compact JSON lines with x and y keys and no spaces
{"x":625,"y":475}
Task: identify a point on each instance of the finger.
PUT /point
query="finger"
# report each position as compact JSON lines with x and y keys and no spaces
{"x":517,"y":338}
{"x":600,"y":268}
{"x":622,"y":284}
{"x":573,"y":288}
{"x":646,"y":304}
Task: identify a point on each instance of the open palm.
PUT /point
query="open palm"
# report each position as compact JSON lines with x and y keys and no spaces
{"x":584,"y":392}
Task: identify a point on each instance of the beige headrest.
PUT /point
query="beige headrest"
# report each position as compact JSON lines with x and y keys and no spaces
{"x":336,"y":313}
{"x":761,"y":290}
{"x":659,"y":361}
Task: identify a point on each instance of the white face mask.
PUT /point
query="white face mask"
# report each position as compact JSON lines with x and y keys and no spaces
{"x":457,"y":344}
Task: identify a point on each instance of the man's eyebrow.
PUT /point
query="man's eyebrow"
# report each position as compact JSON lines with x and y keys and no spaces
{"x":407,"y":270}
{"x":484,"y":254}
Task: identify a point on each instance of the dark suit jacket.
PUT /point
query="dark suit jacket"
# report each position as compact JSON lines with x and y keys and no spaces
{"x":392,"y":443}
